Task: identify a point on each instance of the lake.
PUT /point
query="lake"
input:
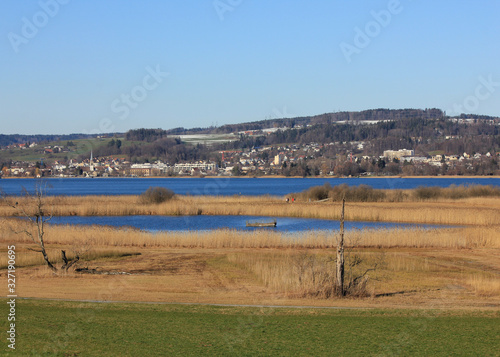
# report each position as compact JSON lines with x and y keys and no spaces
{"x":203,"y":223}
{"x":223,"y":186}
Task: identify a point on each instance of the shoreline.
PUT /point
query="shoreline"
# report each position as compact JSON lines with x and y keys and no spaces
{"x":265,"y":177}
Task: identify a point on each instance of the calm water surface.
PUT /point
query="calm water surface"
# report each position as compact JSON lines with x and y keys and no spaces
{"x":223,"y":186}
{"x":197,"y":223}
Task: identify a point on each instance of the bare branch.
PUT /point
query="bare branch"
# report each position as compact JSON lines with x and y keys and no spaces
{"x":34,"y":250}
{"x":77,"y":258}
{"x":67,"y":264}
{"x":33,"y":211}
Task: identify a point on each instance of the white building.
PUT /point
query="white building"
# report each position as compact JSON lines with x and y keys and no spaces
{"x":391,"y":154}
{"x":205,"y":166}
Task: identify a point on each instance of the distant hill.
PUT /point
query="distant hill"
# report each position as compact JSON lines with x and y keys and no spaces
{"x":423,"y":130}
{"x":328,"y":118}
{"x":6,"y":140}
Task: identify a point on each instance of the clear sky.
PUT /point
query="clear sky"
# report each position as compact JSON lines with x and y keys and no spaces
{"x":73,"y":66}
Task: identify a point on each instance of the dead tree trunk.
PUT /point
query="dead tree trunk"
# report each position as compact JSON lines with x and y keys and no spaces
{"x":339,"y":286}
{"x":34,"y":212}
{"x":67,"y":264}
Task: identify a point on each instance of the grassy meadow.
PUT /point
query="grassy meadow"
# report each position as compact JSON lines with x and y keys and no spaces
{"x":58,"y":328}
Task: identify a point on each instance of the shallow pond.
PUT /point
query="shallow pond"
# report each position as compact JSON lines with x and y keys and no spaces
{"x":199,"y":223}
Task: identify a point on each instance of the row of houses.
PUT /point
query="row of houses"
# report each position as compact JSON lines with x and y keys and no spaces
{"x":160,"y":168}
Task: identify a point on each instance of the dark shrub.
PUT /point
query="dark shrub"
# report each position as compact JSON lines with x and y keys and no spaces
{"x":362,"y":193}
{"x":427,"y":193}
{"x":318,"y":193}
{"x":156,"y":195}
{"x":483,"y":191}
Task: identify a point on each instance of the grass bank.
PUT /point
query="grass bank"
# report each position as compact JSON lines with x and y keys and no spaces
{"x":89,"y":329}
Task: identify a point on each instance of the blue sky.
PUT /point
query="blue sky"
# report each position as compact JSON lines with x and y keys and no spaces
{"x":70,"y":66}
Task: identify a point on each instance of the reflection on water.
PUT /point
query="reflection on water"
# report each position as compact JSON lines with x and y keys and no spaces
{"x":197,"y":223}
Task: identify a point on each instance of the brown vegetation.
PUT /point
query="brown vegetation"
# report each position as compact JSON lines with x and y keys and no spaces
{"x":415,"y":266}
{"x":483,"y":211}
{"x":364,"y":193}
{"x":444,"y":267}
{"x":155,"y":195}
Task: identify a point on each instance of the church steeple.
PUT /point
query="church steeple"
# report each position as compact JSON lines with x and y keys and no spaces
{"x":91,"y":163}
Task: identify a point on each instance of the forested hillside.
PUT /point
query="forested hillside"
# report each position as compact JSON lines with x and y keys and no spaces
{"x":366,"y":133}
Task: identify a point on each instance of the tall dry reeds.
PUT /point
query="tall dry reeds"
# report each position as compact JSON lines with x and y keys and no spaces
{"x":92,"y":236}
{"x":484,"y":285}
{"x":455,"y":192}
{"x":361,"y":193}
{"x":305,"y":273}
{"x":365,"y":193}
{"x":466,"y":211}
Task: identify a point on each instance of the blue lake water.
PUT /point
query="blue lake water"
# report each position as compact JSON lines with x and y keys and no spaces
{"x":196,"y":223}
{"x":223,"y":186}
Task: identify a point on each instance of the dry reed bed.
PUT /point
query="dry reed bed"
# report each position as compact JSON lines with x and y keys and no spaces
{"x":484,"y":285}
{"x":97,"y":236}
{"x":297,"y":265}
{"x":312,"y":273}
{"x":472,"y":211}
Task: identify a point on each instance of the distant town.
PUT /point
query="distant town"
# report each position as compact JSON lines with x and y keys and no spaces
{"x":289,"y":160}
{"x":377,"y":143}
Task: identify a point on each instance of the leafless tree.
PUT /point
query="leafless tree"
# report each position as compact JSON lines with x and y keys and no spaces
{"x":354,"y":284}
{"x":33,"y":210}
{"x":339,"y":283}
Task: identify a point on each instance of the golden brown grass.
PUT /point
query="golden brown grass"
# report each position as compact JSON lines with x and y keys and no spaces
{"x":484,"y":285}
{"x":308,"y":273}
{"x":406,"y":277}
{"x":421,"y":267}
{"x":98,"y":236}
{"x":468,"y":211}
{"x":365,"y":193}
{"x":26,"y":257}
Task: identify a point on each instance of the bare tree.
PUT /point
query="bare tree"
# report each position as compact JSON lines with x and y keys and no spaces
{"x":339,"y":283}
{"x":32,"y":208}
{"x":357,"y":271}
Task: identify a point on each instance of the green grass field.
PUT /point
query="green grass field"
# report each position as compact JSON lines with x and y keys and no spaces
{"x":54,"y":328}
{"x":81,"y":146}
